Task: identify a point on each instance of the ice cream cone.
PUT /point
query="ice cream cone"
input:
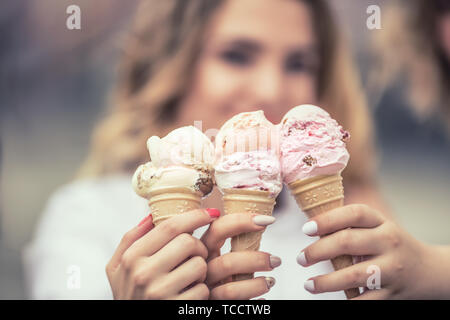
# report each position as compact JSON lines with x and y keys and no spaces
{"x":247,"y":201}
{"x":170,"y":201}
{"x":318,"y":195}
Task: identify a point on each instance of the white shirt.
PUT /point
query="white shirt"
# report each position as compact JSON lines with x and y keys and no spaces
{"x":84,"y":222}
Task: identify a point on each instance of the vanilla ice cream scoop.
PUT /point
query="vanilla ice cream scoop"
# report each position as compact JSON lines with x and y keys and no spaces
{"x":311,"y":144}
{"x":183,"y":158}
{"x":247,"y":154}
{"x":185,"y":146}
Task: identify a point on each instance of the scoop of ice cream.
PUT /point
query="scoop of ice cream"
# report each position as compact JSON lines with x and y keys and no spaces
{"x":247,"y":131}
{"x":183,"y":158}
{"x":185,"y":146}
{"x":148,"y":177}
{"x":311,"y":144}
{"x":258,"y":170}
{"x":247,"y":154}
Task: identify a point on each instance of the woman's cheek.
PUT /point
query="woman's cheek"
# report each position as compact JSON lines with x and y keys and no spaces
{"x":221,"y":87}
{"x":220,"y":80}
{"x":307,"y":93}
{"x":299,"y":89}
{"x":212,"y":96}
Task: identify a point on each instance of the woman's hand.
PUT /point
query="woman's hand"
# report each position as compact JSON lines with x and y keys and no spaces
{"x":401,"y":259}
{"x":164,"y":262}
{"x":222,"y":267}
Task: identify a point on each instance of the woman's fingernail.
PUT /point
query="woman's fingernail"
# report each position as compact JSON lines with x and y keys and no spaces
{"x":270,"y":282}
{"x":301,"y":259}
{"x":309,"y":285}
{"x":263,"y":220}
{"x":144,"y":220}
{"x":274,"y":261}
{"x":213,"y":212}
{"x":310,"y":228}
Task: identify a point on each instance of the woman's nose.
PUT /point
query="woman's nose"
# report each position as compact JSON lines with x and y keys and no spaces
{"x":266,"y":89}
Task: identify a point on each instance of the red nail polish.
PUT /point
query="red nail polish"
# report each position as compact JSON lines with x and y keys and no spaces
{"x":213,"y":212}
{"x":145,"y":220}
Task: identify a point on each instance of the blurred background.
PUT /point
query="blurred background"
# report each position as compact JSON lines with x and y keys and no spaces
{"x":54,"y":86}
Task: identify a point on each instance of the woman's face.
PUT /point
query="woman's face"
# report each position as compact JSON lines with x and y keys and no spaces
{"x":256,"y":55}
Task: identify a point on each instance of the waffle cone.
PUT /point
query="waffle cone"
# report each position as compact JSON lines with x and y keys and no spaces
{"x":318,"y":195}
{"x":252,"y":202}
{"x":167,"y":202}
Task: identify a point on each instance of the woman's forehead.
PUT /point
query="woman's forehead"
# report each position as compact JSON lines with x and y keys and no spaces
{"x":287,"y":22}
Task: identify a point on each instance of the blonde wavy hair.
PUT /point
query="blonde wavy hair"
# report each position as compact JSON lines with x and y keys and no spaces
{"x":408,"y":47}
{"x":154,"y":74}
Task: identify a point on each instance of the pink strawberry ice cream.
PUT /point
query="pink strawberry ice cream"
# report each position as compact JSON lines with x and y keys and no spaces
{"x":311,"y":144}
{"x":247,"y":154}
{"x":256,"y":170}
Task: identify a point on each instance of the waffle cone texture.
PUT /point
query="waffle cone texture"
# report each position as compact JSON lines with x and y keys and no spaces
{"x":318,"y":195}
{"x":165,"y":203}
{"x":251,"y":202}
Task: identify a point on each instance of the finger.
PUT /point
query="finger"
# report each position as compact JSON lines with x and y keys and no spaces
{"x":375,"y":294}
{"x":176,"y":251}
{"x":198,"y":292}
{"x":166,"y":231}
{"x":351,"y":277}
{"x":239,"y":262}
{"x":242,"y":290}
{"x":357,"y":242}
{"x":146,"y":269}
{"x":128,"y":239}
{"x":231,"y":225}
{"x":351,"y":216}
{"x":189,"y":272}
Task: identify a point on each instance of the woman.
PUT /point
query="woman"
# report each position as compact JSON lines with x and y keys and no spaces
{"x":208,"y":60}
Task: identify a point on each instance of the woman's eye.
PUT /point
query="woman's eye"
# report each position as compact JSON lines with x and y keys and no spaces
{"x":236,"y":57}
{"x":296,"y":66}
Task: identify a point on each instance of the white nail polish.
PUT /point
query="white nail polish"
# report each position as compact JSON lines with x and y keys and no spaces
{"x":274,"y":261}
{"x":301,"y":259}
{"x":263,"y":220}
{"x":309,"y":285}
{"x":270,"y":281}
{"x":310,"y":228}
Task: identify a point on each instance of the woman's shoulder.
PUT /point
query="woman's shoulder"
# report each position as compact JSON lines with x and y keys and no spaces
{"x":95,"y":186}
{"x":113,"y":189}
{"x":95,"y":199}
